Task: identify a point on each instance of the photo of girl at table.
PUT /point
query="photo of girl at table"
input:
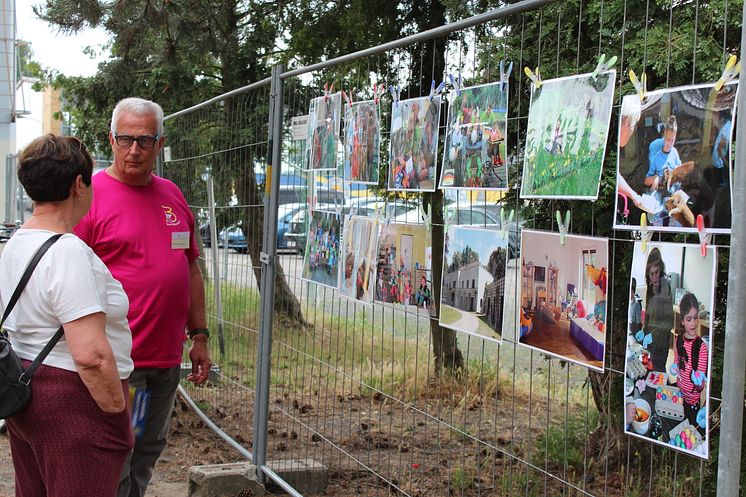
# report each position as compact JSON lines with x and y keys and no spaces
{"x":690,"y":357}
{"x":658,"y":309}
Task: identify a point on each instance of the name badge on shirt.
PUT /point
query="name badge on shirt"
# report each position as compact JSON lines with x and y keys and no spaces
{"x":180,"y":240}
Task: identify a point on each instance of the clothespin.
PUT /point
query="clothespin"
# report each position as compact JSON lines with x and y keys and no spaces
{"x":645,"y":235}
{"x":505,"y":75}
{"x":563,"y":227}
{"x":603,"y":65}
{"x":436,"y":91}
{"x":427,"y":216}
{"x":456,"y":83}
{"x":353,"y":211}
{"x":395,"y":94}
{"x":506,"y":221}
{"x":732,"y":68}
{"x":535,"y":77}
{"x":625,"y":212}
{"x":704,"y":237}
{"x":641,"y":85}
{"x":328,"y":91}
{"x":377,"y":92}
{"x":447,"y":218}
{"x":348,"y":97}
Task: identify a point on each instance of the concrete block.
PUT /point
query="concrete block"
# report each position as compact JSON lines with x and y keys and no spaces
{"x":224,"y":480}
{"x":307,"y":476}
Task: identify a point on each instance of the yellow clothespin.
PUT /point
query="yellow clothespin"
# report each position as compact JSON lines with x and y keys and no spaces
{"x":641,"y":85}
{"x":563,"y":227}
{"x":732,"y":68}
{"x":645,"y":235}
{"x":535,"y":77}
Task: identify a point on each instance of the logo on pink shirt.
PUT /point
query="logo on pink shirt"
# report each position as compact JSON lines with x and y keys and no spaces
{"x":171,"y":219}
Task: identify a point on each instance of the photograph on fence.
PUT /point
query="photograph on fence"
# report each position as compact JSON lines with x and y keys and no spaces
{"x":668,"y":358}
{"x":359,"y":250}
{"x":472,"y":293}
{"x":362,"y":143}
{"x":568,"y":126}
{"x":413,"y":144}
{"x":324,"y":124}
{"x":321,"y":263}
{"x":563,"y":296}
{"x":404,"y":265}
{"x":475,"y":148}
{"x":674,"y":159}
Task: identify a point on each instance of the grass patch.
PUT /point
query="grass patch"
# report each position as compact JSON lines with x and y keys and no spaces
{"x":448,"y":314}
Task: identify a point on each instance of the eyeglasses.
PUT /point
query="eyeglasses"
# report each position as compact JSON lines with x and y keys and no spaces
{"x":145,"y":142}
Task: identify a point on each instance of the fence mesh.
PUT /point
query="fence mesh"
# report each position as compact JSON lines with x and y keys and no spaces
{"x":358,"y":388}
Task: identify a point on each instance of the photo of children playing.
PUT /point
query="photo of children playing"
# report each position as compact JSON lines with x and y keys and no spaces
{"x":324,"y":121}
{"x":413,"y":144}
{"x":563,"y":296}
{"x":667,"y":367}
{"x":362,"y":143}
{"x":568,"y":126}
{"x":473,"y":287}
{"x":404,"y":267}
{"x":674,"y":159}
{"x":474,"y":155}
{"x":321,"y":262}
{"x":359,"y":245}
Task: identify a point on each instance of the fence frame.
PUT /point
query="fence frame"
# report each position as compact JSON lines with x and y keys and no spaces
{"x":734,"y":368}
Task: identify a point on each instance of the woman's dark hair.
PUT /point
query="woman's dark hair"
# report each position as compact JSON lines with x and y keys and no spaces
{"x":48,"y":166}
{"x":688,"y":302}
{"x":654,"y":259}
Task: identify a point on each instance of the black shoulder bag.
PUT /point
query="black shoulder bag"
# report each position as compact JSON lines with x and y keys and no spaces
{"x":15,"y":381}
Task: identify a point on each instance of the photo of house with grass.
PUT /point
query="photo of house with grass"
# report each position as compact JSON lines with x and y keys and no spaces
{"x":568,"y":125}
{"x":472,"y":293}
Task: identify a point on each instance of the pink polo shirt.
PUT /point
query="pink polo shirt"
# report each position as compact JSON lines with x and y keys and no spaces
{"x":145,"y":236}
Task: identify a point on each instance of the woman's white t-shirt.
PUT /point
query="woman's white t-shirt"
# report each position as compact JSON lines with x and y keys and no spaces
{"x":69,"y":282}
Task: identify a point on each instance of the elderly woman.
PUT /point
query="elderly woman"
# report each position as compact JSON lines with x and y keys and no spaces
{"x":72,"y":438}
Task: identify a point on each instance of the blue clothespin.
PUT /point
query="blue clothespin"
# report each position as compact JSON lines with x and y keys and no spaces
{"x":436,"y":91}
{"x":603,"y":65}
{"x":456,"y":83}
{"x":505,"y":75}
{"x":535,"y":77}
{"x":563,"y":227}
{"x":395,"y":94}
{"x":506,"y":221}
{"x":732,"y":68}
{"x":641,"y":85}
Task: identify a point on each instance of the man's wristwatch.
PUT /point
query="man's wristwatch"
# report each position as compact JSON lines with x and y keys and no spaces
{"x":198,"y":331}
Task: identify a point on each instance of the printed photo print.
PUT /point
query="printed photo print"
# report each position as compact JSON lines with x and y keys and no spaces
{"x":568,"y":125}
{"x":667,"y":368}
{"x":362,"y":143}
{"x":404,"y":265}
{"x":475,"y":148}
{"x":321,"y":262}
{"x":563,"y":296}
{"x":674,"y":159}
{"x":472,"y":293}
{"x":324,"y":124}
{"x":413,"y":145}
{"x":360,"y":245}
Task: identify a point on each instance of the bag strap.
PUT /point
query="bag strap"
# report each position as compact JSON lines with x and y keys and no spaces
{"x":27,"y":274}
{"x":26,"y":376}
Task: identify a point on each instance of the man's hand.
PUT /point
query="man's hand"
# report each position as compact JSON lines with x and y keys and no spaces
{"x":200,"y":357}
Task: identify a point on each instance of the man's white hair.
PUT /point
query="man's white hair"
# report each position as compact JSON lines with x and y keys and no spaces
{"x":139,"y":107}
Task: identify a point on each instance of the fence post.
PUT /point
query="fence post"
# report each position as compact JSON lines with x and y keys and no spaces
{"x":731,"y":426}
{"x":216,"y":279}
{"x":268,"y":257}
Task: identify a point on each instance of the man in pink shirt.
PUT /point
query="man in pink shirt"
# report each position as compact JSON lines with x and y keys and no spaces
{"x":143,"y":230}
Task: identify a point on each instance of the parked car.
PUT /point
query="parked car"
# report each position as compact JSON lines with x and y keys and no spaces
{"x":285,"y":215}
{"x":233,"y":237}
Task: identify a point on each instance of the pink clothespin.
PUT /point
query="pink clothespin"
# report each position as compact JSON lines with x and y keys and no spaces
{"x":704,"y":237}
{"x":348,"y":97}
{"x":377,"y":92}
{"x":625,"y":212}
{"x":328,"y":91}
